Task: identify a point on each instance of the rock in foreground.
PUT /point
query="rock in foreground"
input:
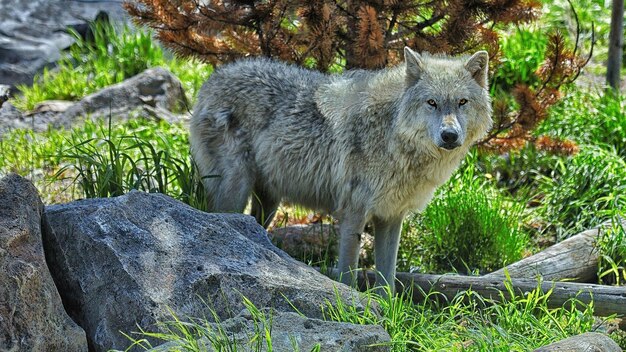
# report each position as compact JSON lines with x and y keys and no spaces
{"x":125,"y":261}
{"x":31,"y":313}
{"x":292,"y":332}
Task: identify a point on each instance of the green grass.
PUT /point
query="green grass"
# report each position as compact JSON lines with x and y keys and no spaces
{"x":592,"y":118}
{"x":116,"y":160}
{"x":468,"y":227}
{"x":199,"y":335}
{"x":611,"y":246}
{"x":468,"y":322}
{"x":589,"y":190}
{"x":523,"y":50}
{"x":105,"y":160}
{"x":113,"y":56}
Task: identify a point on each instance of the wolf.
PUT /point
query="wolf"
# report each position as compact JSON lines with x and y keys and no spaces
{"x":364,"y":146}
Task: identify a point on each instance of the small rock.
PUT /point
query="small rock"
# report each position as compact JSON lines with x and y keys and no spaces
{"x":32,"y":317}
{"x":51,"y":106}
{"x":293,"y":332}
{"x":587,"y":342}
{"x":4,"y":93}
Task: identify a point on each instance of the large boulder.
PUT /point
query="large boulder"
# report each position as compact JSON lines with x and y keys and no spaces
{"x":126,"y":261}
{"x":290,"y":332}
{"x":32,"y":317}
{"x":33,"y":33}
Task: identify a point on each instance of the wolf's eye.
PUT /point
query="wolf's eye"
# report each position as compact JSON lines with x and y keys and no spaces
{"x":431,"y":103}
{"x":462,"y":102}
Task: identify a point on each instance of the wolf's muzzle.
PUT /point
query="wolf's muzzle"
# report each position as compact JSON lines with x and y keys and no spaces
{"x":450,"y":139}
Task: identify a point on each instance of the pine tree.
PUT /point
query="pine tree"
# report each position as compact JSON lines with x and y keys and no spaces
{"x":331,"y":34}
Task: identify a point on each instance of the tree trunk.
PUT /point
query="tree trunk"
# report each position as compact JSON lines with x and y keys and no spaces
{"x":575,"y":259}
{"x":607,"y":299}
{"x":616,"y":44}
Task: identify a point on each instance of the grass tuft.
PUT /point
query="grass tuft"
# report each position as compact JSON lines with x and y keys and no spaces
{"x":611,"y":245}
{"x":113,"y":56}
{"x":468,"y":227}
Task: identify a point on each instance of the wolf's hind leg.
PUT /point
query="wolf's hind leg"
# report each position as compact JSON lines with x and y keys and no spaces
{"x":230,"y":190}
{"x":263,"y":207}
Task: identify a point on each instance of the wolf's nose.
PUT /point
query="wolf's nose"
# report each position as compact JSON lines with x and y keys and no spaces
{"x":449,"y":136}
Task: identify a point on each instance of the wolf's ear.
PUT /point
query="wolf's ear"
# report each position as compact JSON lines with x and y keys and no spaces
{"x":414,"y":65}
{"x":478,"y":67}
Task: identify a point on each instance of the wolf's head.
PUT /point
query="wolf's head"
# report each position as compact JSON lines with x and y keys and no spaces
{"x":446,"y":102}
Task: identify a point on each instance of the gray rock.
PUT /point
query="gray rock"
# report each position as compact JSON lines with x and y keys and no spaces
{"x":5,"y":93}
{"x":155,"y":88}
{"x":152,"y":94}
{"x":289,"y":332}
{"x":125,"y":261}
{"x":33,"y":33}
{"x":587,"y":342}
{"x":31,"y":313}
{"x":11,"y":119}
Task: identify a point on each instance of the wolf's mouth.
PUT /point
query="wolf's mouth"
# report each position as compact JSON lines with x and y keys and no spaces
{"x":449,"y":146}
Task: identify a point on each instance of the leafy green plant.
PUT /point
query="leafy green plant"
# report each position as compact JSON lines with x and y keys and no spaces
{"x":113,"y":56}
{"x":611,"y":246}
{"x":589,"y":191}
{"x":591,"y":118}
{"x":523,"y":51}
{"x":469,"y":227}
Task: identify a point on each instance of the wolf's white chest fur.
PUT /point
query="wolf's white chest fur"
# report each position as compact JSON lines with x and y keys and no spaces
{"x":416,"y":189}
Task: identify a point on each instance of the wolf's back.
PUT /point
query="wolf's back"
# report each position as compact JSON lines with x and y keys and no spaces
{"x":258,"y":119}
{"x":255,"y":90}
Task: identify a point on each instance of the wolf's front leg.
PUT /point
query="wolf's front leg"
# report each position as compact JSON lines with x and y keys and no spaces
{"x":350,"y":230}
{"x":386,"y":243}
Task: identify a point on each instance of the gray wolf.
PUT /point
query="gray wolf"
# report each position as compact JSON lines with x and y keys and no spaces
{"x":364,"y":146}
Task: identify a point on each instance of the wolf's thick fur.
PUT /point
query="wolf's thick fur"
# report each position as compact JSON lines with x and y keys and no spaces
{"x":364,"y":146}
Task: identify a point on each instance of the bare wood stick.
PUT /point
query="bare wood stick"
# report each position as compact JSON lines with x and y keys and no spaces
{"x":607,"y":299}
{"x":575,"y":259}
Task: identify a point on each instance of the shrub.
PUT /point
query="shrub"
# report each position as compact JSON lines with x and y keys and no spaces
{"x":523,"y":51}
{"x":590,"y":118}
{"x":468,"y":227}
{"x":590,"y":189}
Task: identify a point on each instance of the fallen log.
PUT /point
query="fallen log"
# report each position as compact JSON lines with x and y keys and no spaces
{"x":607,"y":300}
{"x":574,"y":259}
